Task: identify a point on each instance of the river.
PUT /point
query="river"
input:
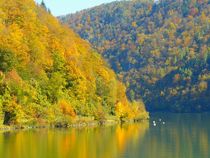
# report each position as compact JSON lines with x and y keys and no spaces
{"x":171,"y":136}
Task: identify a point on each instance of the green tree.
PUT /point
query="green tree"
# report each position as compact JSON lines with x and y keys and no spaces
{"x":8,"y":60}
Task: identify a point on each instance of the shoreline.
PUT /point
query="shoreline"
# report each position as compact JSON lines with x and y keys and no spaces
{"x":89,"y":124}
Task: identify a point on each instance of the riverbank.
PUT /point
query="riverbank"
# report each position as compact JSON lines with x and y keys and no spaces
{"x":79,"y":123}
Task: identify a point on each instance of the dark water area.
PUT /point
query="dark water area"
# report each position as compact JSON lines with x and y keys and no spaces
{"x":166,"y":135}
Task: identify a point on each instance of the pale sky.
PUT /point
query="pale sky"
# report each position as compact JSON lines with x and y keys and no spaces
{"x":62,"y":7}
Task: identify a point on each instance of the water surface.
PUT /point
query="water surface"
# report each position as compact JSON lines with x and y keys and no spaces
{"x":182,"y":136}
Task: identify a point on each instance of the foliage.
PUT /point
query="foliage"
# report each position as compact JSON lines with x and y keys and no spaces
{"x":66,"y":108}
{"x":159,"y":50}
{"x":8,"y":60}
{"x":48,"y":75}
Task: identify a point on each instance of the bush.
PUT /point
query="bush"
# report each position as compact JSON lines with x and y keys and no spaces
{"x":13,"y":113}
{"x":66,"y":108}
{"x":99,"y":115}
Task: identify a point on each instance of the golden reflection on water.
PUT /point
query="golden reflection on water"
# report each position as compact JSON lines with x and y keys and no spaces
{"x":97,"y":142}
{"x":183,"y":136}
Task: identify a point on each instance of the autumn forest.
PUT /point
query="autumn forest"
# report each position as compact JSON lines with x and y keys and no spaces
{"x":50,"y":76}
{"x":104,"y":78}
{"x":160,"y":50}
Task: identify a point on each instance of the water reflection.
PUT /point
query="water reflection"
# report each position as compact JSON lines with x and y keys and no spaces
{"x":103,"y":142}
{"x":183,"y":136}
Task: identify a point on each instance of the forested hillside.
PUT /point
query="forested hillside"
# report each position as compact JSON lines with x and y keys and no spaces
{"x":49,"y":75}
{"x":161,"y":50}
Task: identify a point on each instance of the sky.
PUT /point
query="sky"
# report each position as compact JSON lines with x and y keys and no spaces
{"x":62,"y":7}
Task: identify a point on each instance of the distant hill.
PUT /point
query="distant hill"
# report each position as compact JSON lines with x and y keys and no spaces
{"x":160,"y":50}
{"x":49,"y":75}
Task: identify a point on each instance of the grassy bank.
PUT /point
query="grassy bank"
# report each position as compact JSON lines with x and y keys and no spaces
{"x":79,"y":122}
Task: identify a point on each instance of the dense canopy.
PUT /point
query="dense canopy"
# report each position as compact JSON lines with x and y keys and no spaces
{"x":49,"y":75}
{"x":161,"y":50}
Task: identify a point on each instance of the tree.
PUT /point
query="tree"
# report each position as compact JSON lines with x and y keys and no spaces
{"x":48,"y":74}
{"x":154,"y":48}
{"x":43,"y":5}
{"x":8,"y":60}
